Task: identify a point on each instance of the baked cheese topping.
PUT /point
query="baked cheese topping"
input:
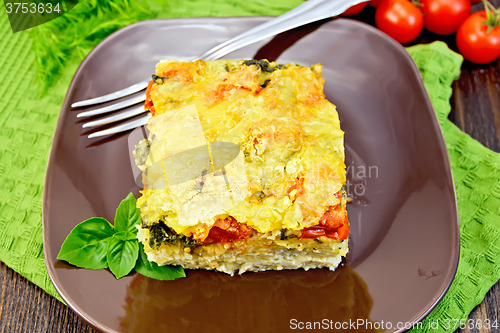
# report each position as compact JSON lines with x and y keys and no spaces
{"x":290,"y":143}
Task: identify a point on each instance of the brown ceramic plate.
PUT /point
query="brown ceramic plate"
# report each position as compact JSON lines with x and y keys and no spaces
{"x":404,"y":243}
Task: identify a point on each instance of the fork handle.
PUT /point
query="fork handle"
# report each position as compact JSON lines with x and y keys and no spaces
{"x":310,"y":11}
{"x":279,"y":19}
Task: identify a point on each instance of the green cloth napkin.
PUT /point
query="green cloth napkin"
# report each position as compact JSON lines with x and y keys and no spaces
{"x":476,"y":172}
{"x":50,"y":54}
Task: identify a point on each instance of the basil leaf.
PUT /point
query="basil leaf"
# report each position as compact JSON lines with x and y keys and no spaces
{"x":87,"y":243}
{"x":125,"y":235}
{"x":152,"y":270}
{"x":127,"y":215}
{"x":121,"y":256}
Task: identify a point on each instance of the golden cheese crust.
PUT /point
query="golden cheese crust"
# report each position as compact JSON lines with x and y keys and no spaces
{"x":290,"y":143}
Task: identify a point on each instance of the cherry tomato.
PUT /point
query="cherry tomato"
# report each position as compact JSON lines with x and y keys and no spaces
{"x":400,"y":19}
{"x":475,"y":42}
{"x":375,"y":3}
{"x":356,"y":9}
{"x":443,"y":17}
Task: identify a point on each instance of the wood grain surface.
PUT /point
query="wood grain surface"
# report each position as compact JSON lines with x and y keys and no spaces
{"x":475,"y":103}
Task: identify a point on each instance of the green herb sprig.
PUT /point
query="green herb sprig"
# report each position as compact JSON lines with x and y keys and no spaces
{"x":96,"y":244}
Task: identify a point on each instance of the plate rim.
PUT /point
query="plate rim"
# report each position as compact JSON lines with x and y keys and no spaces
{"x":397,"y":46}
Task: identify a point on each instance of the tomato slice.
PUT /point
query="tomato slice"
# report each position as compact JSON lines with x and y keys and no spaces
{"x":334,"y":218}
{"x":299,"y":186}
{"x":340,"y":234}
{"x":227,"y":230}
{"x":313,"y":232}
{"x":343,"y":232}
{"x":148,"y":104}
{"x":333,"y":224}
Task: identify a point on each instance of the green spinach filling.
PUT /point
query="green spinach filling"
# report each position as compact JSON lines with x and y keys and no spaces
{"x":263,"y":65}
{"x":160,"y":233}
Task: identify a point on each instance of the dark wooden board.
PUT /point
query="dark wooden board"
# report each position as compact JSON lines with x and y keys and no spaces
{"x":24,"y":307}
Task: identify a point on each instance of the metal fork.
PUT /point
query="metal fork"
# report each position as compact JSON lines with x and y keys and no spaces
{"x":309,"y":11}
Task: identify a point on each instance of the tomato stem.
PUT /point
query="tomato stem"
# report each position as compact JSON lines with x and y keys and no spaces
{"x":492,"y":16}
{"x":417,"y":3}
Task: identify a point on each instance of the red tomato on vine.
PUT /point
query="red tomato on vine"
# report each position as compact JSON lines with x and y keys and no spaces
{"x":375,"y":3}
{"x":400,"y":19}
{"x":478,"y":38}
{"x":443,"y":17}
{"x":356,"y":9}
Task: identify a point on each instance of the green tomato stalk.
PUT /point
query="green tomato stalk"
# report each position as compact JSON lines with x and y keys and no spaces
{"x":492,"y":16}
